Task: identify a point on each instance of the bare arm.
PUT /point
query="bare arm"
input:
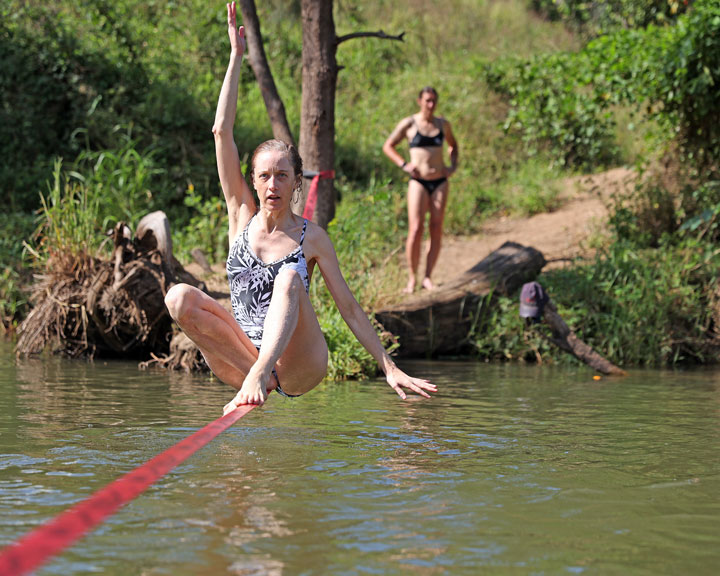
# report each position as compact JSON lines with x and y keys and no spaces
{"x":453,"y":148}
{"x":238,"y":197}
{"x":397,"y":136}
{"x":355,"y":317}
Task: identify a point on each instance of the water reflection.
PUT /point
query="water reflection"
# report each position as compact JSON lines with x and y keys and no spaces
{"x":510,"y":469}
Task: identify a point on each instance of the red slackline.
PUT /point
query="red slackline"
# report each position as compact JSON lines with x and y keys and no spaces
{"x":311,"y":201}
{"x":33,"y":549}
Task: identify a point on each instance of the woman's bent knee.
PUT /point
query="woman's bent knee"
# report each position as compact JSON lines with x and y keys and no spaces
{"x":180,"y":299}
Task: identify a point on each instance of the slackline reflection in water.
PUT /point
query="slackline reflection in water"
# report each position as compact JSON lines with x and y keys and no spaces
{"x":38,"y":546}
{"x":272,"y":341}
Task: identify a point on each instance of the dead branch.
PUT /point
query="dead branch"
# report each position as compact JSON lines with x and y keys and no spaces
{"x":565,"y":339}
{"x":378,"y":34}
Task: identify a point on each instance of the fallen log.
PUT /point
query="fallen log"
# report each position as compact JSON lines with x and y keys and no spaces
{"x":441,"y":321}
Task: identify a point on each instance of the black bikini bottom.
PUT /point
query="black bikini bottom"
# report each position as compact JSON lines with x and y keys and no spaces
{"x":280,"y":390}
{"x":430,"y":185}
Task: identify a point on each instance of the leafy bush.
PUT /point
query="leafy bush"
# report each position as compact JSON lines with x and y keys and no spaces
{"x":551,"y":102}
{"x":596,"y":17}
{"x":121,"y":180}
{"x":648,"y":307}
{"x":634,"y":306}
{"x":96,"y":65}
{"x":206,"y":230}
{"x":15,"y":225}
{"x":672,"y":73}
{"x":668,"y":72}
{"x":502,"y":335}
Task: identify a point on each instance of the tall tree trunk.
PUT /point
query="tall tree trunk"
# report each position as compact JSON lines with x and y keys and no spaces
{"x":261,"y":69}
{"x":317,"y":125}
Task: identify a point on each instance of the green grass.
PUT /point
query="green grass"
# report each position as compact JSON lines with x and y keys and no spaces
{"x":381,"y":79}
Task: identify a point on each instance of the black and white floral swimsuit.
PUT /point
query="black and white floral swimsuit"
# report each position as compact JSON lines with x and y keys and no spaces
{"x":252,"y":280}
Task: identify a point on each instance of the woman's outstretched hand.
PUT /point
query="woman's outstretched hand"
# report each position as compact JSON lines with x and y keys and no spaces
{"x":397,"y":379}
{"x":237,"y":35}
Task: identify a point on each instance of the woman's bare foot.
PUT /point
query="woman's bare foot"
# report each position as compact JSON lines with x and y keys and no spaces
{"x":410,"y":288}
{"x":427,"y":283}
{"x":253,"y":391}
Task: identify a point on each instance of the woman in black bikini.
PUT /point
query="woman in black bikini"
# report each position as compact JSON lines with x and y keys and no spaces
{"x":428,"y":186}
{"x":272,"y":340}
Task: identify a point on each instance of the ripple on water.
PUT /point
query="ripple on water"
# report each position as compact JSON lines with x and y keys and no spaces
{"x":512,"y":470}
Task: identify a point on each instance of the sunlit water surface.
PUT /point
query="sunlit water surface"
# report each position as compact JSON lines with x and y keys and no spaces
{"x":508,"y":470}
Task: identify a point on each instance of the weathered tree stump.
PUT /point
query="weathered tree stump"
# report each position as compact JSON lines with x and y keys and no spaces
{"x":86,"y":305}
{"x":441,"y":321}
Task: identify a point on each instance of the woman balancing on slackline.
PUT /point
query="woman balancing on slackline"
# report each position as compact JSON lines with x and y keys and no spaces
{"x":274,"y":342}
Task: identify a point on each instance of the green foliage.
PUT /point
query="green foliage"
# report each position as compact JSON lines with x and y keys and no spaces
{"x":502,"y":335}
{"x":206,"y":230}
{"x":14,"y":225}
{"x":653,"y":213}
{"x":531,"y":188}
{"x":68,"y":222}
{"x":594,"y":18}
{"x":95,"y":65}
{"x":648,"y":307}
{"x":645,"y":216}
{"x":550,"y":103}
{"x":121,"y":181}
{"x":635,"y":306}
{"x":671,"y":72}
{"x":364,"y":228}
{"x":563,"y":101}
{"x":701,"y":210}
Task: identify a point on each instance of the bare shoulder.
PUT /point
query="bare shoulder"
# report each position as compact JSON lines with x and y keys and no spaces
{"x":403,"y":125}
{"x":406,"y":123}
{"x":317,"y":241}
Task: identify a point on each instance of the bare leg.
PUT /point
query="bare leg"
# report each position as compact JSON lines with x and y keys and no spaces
{"x":292,"y":341}
{"x":417,"y":202}
{"x":226,"y":348}
{"x":437,"y":216}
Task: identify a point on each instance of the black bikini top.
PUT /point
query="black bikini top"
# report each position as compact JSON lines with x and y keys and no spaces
{"x":422,"y":141}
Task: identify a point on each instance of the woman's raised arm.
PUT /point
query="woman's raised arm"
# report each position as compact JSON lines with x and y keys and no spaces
{"x":239,"y":199}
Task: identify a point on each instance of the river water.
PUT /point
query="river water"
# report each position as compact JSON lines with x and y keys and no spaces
{"x":508,"y":470}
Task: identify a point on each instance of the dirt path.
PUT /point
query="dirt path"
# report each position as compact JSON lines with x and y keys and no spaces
{"x":559,"y":235}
